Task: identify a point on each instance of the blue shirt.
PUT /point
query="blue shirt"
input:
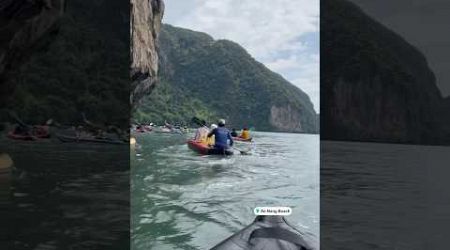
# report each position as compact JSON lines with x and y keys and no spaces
{"x":222,"y":135}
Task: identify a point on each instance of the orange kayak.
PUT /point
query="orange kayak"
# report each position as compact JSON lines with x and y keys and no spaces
{"x":206,"y":150}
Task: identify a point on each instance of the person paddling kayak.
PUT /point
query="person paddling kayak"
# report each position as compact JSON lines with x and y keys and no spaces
{"x":234,"y":133}
{"x":221,"y":136}
{"x":245,"y":134}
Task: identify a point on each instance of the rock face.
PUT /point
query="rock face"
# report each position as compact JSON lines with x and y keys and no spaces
{"x":146,"y":16}
{"x":22,"y":25}
{"x":445,"y":121}
{"x":374,"y":85}
{"x":285,"y":119}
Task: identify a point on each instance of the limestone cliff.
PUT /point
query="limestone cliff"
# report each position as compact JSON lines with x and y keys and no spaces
{"x":445,"y":121}
{"x":375,"y":86}
{"x":285,"y":119}
{"x":145,"y":25}
{"x":22,"y":25}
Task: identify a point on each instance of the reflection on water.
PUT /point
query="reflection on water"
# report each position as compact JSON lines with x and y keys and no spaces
{"x":67,"y":196}
{"x":384,"y":196}
{"x":181,"y":200}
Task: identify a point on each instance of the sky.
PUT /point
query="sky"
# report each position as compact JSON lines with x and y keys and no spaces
{"x":423,"y":23}
{"x":281,"y":34}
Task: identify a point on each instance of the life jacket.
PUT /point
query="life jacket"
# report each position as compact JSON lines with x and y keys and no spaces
{"x":245,"y":134}
{"x":210,"y":140}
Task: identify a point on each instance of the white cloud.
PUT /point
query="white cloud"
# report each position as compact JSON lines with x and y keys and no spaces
{"x":272,"y":31}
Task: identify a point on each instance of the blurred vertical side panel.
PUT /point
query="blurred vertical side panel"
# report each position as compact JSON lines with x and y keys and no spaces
{"x":64,"y":150}
{"x":385,"y":124}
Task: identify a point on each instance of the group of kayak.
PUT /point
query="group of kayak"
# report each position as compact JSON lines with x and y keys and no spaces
{"x":30,"y":133}
{"x":88,"y":132}
{"x":166,"y":128}
{"x":217,"y":139}
{"x":70,"y":135}
{"x":141,"y":128}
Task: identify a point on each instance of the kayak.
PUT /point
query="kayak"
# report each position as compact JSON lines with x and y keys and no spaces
{"x":143,"y":129}
{"x":41,"y":132}
{"x":242,"y":139}
{"x":35,"y":133}
{"x":268,"y":232}
{"x":206,"y":150}
{"x":65,"y":138}
{"x":14,"y":136}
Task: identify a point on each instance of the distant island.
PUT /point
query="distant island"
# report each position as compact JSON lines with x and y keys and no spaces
{"x":208,"y":78}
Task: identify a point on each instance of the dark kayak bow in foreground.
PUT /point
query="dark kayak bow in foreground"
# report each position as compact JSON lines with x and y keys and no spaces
{"x":206,"y":150}
{"x":268,"y":232}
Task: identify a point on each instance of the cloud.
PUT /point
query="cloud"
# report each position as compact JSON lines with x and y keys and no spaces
{"x":282,"y":34}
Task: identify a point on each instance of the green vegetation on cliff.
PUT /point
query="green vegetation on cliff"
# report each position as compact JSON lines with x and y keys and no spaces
{"x":171,"y":104}
{"x":84,"y":67}
{"x":211,"y":79}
